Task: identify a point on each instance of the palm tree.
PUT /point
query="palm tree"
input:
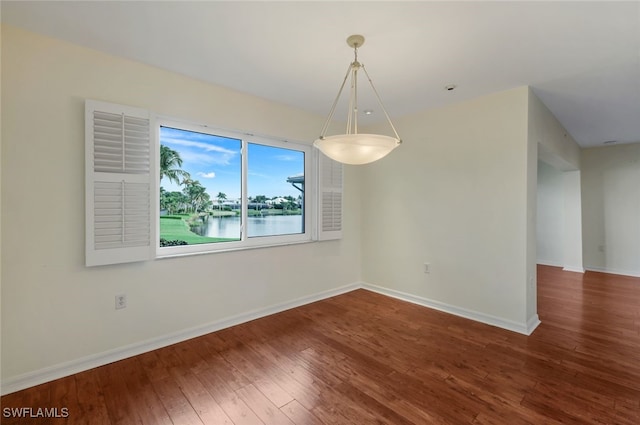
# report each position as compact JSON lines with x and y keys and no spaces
{"x":221,"y":197}
{"x":170,"y":163}
{"x":196,"y":193}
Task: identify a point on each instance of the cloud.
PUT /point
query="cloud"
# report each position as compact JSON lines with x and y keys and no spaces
{"x":255,"y":174}
{"x":286,"y":158}
{"x":210,"y":175}
{"x":207,"y":147}
{"x":199,"y":152}
{"x":205,"y":159}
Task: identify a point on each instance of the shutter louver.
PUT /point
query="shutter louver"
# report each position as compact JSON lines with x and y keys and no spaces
{"x":121,"y":215}
{"x":121,"y":144}
{"x":330,"y":211}
{"x":118,"y":184}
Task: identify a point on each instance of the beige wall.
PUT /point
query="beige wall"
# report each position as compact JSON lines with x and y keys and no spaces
{"x":56,"y":311}
{"x":611,"y":208}
{"x":454,"y":195}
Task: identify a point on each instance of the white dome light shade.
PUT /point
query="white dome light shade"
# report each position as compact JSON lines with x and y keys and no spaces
{"x":356,"y":149}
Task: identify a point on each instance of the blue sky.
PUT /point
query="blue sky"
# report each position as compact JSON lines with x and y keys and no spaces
{"x":215,"y":162}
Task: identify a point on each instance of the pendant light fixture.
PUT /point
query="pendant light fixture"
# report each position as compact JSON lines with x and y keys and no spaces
{"x":353,"y":147}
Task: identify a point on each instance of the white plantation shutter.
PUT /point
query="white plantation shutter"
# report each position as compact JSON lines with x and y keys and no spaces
{"x":118,"y":184}
{"x":329,"y":198}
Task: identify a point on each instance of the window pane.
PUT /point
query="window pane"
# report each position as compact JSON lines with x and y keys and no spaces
{"x":276,"y":191}
{"x":200,"y":188}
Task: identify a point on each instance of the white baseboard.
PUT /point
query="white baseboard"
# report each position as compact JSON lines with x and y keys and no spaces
{"x":613,"y":271}
{"x":573,"y":269}
{"x":549,"y":263}
{"x":564,"y":267}
{"x":532,"y":324}
{"x":522,"y":328}
{"x":61,"y":370}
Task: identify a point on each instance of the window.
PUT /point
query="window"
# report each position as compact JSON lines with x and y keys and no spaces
{"x":221,"y":190}
{"x":278,"y":172}
{"x":200,"y":185}
{"x":158,"y":188}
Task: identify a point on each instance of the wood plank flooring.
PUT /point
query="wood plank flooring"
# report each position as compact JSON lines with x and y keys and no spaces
{"x":362,"y":358}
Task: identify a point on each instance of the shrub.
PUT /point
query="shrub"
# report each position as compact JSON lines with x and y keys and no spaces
{"x":164,"y":242}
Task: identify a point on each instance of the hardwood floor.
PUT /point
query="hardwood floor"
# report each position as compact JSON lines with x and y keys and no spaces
{"x":362,"y":358}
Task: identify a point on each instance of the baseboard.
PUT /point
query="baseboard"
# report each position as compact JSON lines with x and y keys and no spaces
{"x":565,"y":268}
{"x":532,"y":324}
{"x":61,"y":370}
{"x":557,"y":264}
{"x":613,"y":271}
{"x":573,"y":269}
{"x":549,"y":263}
{"x":522,"y":328}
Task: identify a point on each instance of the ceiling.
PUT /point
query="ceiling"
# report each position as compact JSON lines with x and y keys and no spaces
{"x":581,"y":58}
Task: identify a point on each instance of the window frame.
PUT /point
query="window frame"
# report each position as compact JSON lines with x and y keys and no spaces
{"x":245,"y":242}
{"x":324,"y":180}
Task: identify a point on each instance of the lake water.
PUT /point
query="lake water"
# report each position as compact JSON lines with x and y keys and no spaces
{"x":229,"y":227}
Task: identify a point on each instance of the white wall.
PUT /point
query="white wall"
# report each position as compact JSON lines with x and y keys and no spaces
{"x":550,"y":217}
{"x":54,"y":310}
{"x":454,"y":195}
{"x":550,"y":142}
{"x":555,"y":144}
{"x":572,"y":241}
{"x":559,"y":221}
{"x":611,"y":209}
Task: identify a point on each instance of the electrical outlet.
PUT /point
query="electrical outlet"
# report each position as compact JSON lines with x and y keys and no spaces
{"x":427,"y":268}
{"x":121,"y":301}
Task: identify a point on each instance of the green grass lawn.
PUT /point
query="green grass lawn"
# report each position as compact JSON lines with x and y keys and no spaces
{"x":176,"y":228}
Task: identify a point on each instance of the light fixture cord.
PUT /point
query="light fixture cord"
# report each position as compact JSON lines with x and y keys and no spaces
{"x":352,"y":117}
{"x":335,"y":102}
{"x":380,"y":103}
